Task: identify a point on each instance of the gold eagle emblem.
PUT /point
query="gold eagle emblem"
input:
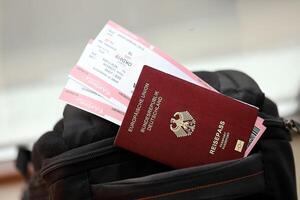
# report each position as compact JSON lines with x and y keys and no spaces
{"x":182,"y":124}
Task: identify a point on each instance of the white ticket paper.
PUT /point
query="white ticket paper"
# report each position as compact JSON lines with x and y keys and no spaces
{"x":112,"y":65}
{"x":80,"y":96}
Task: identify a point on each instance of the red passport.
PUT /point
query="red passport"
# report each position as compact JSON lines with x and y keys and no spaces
{"x":181,"y":124}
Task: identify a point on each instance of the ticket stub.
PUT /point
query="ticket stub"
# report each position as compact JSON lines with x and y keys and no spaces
{"x":87,"y":78}
{"x":80,"y":96}
{"x":256,"y":134}
{"x":115,"y":61}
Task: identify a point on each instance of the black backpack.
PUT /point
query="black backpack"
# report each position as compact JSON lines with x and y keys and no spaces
{"x":78,"y":161}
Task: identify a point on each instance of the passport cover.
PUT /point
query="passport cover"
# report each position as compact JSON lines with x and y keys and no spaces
{"x":181,"y":124}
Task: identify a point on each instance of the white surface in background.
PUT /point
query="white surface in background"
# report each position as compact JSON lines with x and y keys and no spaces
{"x":8,"y":153}
{"x":269,"y":68}
{"x":277,"y":72}
{"x":28,"y":112}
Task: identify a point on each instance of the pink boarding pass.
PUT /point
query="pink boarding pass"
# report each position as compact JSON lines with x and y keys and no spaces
{"x":115,"y":61}
{"x":256,"y":134}
{"x":79,"y":96}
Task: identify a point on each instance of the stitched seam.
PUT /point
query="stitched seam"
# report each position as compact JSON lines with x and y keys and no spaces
{"x":200,"y":187}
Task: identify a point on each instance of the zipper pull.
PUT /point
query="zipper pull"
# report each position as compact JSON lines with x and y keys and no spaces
{"x":292,"y":126}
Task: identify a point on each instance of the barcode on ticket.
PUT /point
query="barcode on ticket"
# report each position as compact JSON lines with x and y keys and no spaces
{"x":254,"y":133}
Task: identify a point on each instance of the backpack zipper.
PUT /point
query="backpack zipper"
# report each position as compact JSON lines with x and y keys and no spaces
{"x":289,"y":124}
{"x":292,"y":126}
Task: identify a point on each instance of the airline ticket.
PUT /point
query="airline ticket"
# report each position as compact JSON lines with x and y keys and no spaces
{"x":114,"y":62}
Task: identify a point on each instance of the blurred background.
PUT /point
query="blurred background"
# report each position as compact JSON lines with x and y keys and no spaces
{"x":41,"y":40}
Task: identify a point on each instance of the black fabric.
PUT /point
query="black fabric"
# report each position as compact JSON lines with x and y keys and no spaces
{"x":77,"y":128}
{"x":236,"y":85}
{"x":77,"y":160}
{"x":225,"y":180}
{"x":82,"y":128}
{"x":23,"y":160}
{"x":49,"y":145}
{"x":277,"y":152}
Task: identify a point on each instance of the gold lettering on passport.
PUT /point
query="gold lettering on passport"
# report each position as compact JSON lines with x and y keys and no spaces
{"x":138,"y":107}
{"x":217,"y":137}
{"x":224,"y":140}
{"x":151,"y":112}
{"x":183,"y":124}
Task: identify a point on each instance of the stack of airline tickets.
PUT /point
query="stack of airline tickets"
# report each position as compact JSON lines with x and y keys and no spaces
{"x":104,"y":78}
